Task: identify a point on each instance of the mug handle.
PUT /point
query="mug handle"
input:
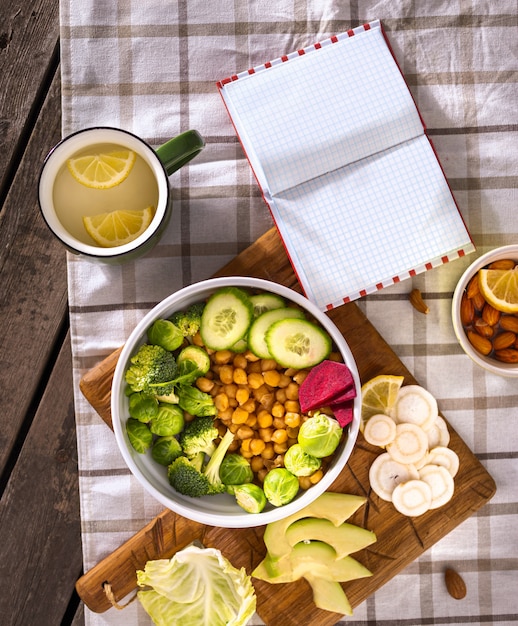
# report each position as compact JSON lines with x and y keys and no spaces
{"x":180,"y":150}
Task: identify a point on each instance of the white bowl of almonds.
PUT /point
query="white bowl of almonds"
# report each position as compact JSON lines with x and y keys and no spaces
{"x":485,"y":311}
{"x":263,"y":366}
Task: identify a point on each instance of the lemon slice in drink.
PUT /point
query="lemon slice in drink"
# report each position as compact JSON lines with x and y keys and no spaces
{"x":118,"y":227}
{"x":500,"y":289}
{"x":102,"y":170}
{"x":379,"y":395}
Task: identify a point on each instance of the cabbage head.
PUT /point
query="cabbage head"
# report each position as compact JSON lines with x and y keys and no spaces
{"x":197,"y":587}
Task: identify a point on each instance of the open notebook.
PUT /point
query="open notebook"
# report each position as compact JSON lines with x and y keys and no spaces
{"x":343,"y":161}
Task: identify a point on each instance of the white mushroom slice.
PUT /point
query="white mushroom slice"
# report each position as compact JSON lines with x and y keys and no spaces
{"x":410,"y":444}
{"x":380,"y":430}
{"x":412,"y":498}
{"x":415,"y":405}
{"x":385,"y":474}
{"x":438,"y":434}
{"x":446,"y":457}
{"x":440,"y":482}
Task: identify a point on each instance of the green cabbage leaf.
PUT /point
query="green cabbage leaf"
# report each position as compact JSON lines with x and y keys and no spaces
{"x":197,"y":587}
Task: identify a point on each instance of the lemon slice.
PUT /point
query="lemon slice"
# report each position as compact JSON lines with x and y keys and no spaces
{"x":118,"y":227}
{"x":379,"y":395}
{"x":500,"y":289}
{"x":102,"y":170}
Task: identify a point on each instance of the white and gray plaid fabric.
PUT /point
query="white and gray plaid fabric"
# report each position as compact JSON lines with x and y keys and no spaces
{"x":151,"y":67}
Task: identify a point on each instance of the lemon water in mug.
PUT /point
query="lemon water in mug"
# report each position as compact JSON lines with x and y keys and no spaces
{"x":100,"y":179}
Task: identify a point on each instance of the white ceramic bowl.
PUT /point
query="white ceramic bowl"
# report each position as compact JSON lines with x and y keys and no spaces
{"x":487,"y":362}
{"x":221,"y":510}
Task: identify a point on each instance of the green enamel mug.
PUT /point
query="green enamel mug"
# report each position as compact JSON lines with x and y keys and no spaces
{"x":105,"y":193}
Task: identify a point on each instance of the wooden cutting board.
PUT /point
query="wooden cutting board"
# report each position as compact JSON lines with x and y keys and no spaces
{"x":400,"y":539}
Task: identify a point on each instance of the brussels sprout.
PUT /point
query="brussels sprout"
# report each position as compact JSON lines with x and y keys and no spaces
{"x":280,"y":486}
{"x":169,"y":420}
{"x":139,"y":435}
{"x":142,"y":407}
{"x":235,"y":470}
{"x":250,"y":497}
{"x":165,"y":450}
{"x":320,"y":435}
{"x":165,"y":334}
{"x":196,"y":402}
{"x":299,"y":462}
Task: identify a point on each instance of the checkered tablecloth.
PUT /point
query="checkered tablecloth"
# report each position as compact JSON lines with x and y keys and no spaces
{"x":151,"y":67}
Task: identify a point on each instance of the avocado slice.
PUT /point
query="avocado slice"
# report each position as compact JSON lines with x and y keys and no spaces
{"x":316,"y":559}
{"x":329,"y":596}
{"x":335,"y":507}
{"x":345,"y":539}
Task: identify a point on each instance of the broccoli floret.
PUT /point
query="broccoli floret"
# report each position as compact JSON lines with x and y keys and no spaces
{"x":189,"y":321}
{"x":198,"y":436}
{"x":152,"y":370}
{"x":186,"y":476}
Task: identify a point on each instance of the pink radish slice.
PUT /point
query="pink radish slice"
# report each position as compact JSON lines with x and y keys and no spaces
{"x":327,"y":382}
{"x":343,"y":412}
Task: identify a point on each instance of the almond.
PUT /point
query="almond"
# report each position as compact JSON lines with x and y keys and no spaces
{"x":478,"y":301}
{"x":455,"y":584}
{"x":481,"y":344}
{"x":509,"y":322}
{"x":473,"y":287}
{"x":490,"y":315}
{"x":416,"y":300}
{"x":483,"y":328}
{"x":504,"y":340}
{"x":509,"y":355}
{"x":502,"y":264}
{"x":467,"y":310}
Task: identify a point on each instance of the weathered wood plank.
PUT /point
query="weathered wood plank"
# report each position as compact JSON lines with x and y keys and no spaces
{"x":29,"y":32}
{"x":33,"y":289}
{"x":40,"y":554}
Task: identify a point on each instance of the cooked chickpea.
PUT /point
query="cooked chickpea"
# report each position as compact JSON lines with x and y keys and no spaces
{"x":316,"y":477}
{"x":268,"y":364}
{"x":221,"y":402}
{"x":239,"y":376}
{"x":255,"y":380}
{"x":264,"y":419}
{"x":226,"y":374}
{"x":266,"y":434}
{"x":256,"y":463}
{"x":279,"y":436}
{"x":280,"y":395}
{"x":239,"y":416}
{"x":257,"y":446}
{"x":268,"y":452}
{"x":240,"y":361}
{"x":292,"y":419}
{"x":292,"y":391}
{"x":242,"y":395}
{"x":205,"y":384}
{"x":244,"y":432}
{"x":272,"y":377}
{"x":292,"y":406}
{"x":278,"y":409}
{"x":221,"y":357}
{"x":252,"y":420}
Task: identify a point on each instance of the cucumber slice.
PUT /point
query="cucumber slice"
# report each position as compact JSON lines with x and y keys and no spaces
{"x":196,"y":354}
{"x":226,"y":318}
{"x":257,"y":333}
{"x":263,"y":302}
{"x":297,"y":343}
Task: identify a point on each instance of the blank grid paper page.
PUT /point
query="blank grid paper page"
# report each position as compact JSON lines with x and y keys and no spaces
{"x":322,"y":110}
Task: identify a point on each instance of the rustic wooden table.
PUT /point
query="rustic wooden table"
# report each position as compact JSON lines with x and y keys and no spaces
{"x":40,"y":551}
